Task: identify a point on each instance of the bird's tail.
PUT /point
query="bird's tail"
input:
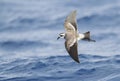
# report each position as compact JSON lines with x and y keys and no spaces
{"x":87,"y":37}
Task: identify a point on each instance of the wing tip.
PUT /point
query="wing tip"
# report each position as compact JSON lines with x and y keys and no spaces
{"x":77,"y":60}
{"x":75,"y":11}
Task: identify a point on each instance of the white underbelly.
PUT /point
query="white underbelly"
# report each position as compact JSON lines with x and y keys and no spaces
{"x":80,"y":36}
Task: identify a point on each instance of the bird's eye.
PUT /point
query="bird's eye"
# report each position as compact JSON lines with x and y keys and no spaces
{"x":61,"y":35}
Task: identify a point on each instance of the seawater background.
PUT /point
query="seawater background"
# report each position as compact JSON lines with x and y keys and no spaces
{"x":29,"y":50}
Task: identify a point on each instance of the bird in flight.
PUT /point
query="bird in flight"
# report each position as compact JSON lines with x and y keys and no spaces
{"x":72,"y":36}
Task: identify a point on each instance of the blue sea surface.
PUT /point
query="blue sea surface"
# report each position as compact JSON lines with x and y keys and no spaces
{"x":29,"y":50}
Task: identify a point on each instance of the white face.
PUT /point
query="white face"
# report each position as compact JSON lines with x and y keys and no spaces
{"x":61,"y":35}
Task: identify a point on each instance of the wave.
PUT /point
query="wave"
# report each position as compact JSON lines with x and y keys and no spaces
{"x":27,"y":20}
{"x":61,"y":68}
{"x":99,"y":20}
{"x":29,"y":50}
{"x":16,"y":45}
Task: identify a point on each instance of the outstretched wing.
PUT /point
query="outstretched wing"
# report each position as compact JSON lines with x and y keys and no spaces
{"x":71,"y":18}
{"x":72,"y":50}
{"x":70,"y":36}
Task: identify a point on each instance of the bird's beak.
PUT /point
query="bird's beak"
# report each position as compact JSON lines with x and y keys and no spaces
{"x":58,"y":38}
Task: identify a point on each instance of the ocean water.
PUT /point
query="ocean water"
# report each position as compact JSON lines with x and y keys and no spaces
{"x":29,"y":50}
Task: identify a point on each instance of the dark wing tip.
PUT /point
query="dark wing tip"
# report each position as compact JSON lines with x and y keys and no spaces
{"x":73,"y":52}
{"x":77,"y":60}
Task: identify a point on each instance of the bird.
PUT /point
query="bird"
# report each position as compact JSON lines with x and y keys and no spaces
{"x":72,"y":36}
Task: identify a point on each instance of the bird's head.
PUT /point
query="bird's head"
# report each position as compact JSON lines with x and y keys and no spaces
{"x":61,"y":35}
